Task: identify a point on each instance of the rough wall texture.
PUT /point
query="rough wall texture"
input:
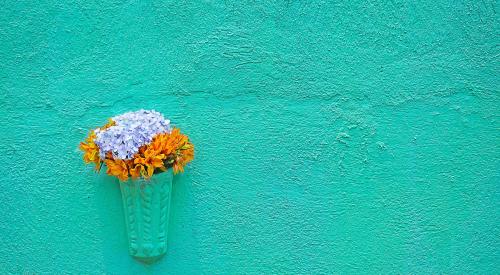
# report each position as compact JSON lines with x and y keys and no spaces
{"x":332,"y":137}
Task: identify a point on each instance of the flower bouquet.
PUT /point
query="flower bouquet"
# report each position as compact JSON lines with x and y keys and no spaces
{"x":142,"y":150}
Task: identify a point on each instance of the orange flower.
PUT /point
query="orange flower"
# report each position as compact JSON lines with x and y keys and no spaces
{"x":186,"y":155}
{"x":176,"y":147}
{"x":166,"y":150}
{"x":151,"y":160}
{"x":168,"y":143}
{"x":135,"y":170}
{"x":117,"y":168}
{"x":91,"y":151}
{"x":109,"y":124}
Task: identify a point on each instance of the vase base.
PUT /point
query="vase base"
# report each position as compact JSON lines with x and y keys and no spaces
{"x":149,"y":260}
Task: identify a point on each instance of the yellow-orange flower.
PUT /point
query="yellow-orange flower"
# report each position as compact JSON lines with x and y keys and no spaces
{"x":135,"y":170}
{"x":109,"y":124}
{"x":176,"y":148}
{"x":118,"y":168}
{"x":166,"y":150}
{"x":186,"y":155}
{"x":151,"y":160}
{"x":91,"y":151}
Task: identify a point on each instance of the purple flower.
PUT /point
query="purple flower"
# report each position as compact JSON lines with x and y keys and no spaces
{"x":131,"y":131}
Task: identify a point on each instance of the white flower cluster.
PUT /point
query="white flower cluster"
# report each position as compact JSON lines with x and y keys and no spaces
{"x":131,"y":131}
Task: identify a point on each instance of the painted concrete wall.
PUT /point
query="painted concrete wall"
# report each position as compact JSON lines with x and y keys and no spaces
{"x":332,"y":136}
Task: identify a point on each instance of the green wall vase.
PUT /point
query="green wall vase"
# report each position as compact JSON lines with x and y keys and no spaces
{"x":146,"y":205}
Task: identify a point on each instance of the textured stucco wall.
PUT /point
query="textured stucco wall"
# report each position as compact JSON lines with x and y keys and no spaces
{"x":332,"y":136}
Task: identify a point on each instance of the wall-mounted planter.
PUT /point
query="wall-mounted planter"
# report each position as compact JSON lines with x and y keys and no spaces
{"x":129,"y":145}
{"x":146,"y":206}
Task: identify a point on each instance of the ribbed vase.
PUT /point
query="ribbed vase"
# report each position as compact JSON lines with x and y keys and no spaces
{"x":146,"y":205}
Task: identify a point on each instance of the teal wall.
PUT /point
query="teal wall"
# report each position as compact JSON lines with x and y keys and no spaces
{"x":331,"y":136}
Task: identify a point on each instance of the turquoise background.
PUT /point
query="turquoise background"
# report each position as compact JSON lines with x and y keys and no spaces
{"x":344,"y":137}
